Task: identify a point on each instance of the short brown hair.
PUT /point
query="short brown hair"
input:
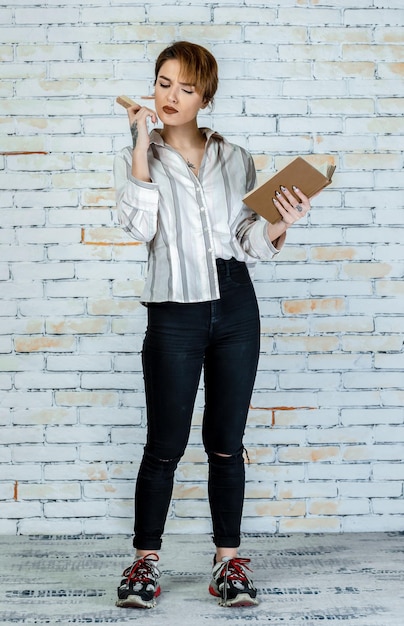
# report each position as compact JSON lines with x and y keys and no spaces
{"x":198,"y":66}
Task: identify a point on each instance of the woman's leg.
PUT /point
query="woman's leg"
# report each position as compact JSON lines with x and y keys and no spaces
{"x":173,"y":354}
{"x":230,"y":369}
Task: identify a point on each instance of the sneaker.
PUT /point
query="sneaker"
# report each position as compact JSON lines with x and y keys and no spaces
{"x":231,"y":583}
{"x":139,"y":587}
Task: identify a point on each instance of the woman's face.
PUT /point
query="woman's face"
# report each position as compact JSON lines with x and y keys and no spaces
{"x":177,"y":102}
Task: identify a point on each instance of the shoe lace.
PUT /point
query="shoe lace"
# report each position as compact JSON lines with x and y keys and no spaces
{"x":142,"y":570}
{"x":234,"y":569}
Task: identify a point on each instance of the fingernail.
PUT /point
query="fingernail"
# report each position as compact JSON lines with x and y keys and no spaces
{"x":277,"y":193}
{"x":294,"y":188}
{"x":274,"y":201}
{"x":283,"y":188}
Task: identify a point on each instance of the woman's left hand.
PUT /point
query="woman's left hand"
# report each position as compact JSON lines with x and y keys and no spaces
{"x":291,"y":209}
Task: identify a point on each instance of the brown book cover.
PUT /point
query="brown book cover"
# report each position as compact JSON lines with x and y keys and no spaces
{"x":300,"y":173}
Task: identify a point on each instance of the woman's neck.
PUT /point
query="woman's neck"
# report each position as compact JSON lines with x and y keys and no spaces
{"x":183,"y":138}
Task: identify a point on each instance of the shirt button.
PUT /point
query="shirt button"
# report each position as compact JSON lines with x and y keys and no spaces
{"x":203,"y":209}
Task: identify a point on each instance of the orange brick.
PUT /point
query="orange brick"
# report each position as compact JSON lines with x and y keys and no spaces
{"x":390,"y":287}
{"x":329,"y":253}
{"x":305,"y":307}
{"x":297,"y":454}
{"x":262,"y":162}
{"x":366,"y":270}
{"x":259,"y":491}
{"x":191,"y":492}
{"x":98,"y":197}
{"x":104,"y":236}
{"x":310,"y":524}
{"x":261,"y":455}
{"x":86,"y":398}
{"x":110,"y":307}
{"x":285,"y":508}
{"x":307,"y":344}
{"x":77,"y":326}
{"x":44,"y":344}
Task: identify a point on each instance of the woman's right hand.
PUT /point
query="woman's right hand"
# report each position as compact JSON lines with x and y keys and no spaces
{"x":138,"y":117}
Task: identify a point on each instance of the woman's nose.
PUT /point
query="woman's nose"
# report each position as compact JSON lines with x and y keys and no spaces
{"x":172,"y":96}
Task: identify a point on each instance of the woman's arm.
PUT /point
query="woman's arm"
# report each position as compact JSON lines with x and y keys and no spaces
{"x":138,"y":117}
{"x":136,"y":201}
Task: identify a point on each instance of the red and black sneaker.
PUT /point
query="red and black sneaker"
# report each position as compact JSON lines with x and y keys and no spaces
{"x":139,"y":587}
{"x":231,"y":583}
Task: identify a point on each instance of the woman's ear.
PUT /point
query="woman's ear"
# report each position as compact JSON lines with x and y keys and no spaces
{"x":205,"y":103}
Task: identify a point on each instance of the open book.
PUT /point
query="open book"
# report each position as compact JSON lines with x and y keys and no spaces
{"x":306,"y":177}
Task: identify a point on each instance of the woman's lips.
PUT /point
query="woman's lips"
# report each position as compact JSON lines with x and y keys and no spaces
{"x":169,"y":110}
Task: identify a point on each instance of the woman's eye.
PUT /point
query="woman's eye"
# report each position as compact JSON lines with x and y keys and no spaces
{"x":164,"y":86}
{"x":186,"y":91}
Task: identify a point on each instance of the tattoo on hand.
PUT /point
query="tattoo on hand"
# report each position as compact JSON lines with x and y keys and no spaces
{"x":134,"y":132}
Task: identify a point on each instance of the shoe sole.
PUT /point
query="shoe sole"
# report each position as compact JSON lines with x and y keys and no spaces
{"x":136,"y":602}
{"x":242,"y":599}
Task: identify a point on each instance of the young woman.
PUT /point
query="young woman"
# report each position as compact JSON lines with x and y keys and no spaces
{"x":180,"y":189}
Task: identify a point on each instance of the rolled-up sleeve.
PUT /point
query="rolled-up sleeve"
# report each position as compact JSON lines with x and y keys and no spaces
{"x":254,"y":240}
{"x":136,"y":201}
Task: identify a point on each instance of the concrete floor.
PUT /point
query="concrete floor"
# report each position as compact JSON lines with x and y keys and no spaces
{"x":354,"y":579}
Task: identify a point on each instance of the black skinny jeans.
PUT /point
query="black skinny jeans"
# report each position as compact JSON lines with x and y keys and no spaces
{"x":222,"y":337}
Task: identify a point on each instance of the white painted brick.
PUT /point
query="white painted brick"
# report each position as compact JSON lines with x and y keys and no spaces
{"x":362,"y":489}
{"x":389,"y":433}
{"x":339,"y":472}
{"x":392,"y":506}
{"x":113,"y":14}
{"x":75,"y":509}
{"x":44,"y":453}
{"x":81,"y":434}
{"x":307,"y":490}
{"x":49,"y":527}
{"x":95,"y":363}
{"x":97,"y":454}
{"x":44,"y":416}
{"x":340,"y":435}
{"x":46,"y":381}
{"x":8,"y":527}
{"x":388,"y":471}
{"x":376,"y":523}
{"x":14,"y":435}
{"x":18,"y":510}
{"x":392,"y":398}
{"x":5,"y":381}
{"x":18,"y":363}
{"x":5,"y":455}
{"x":122,"y":526}
{"x":79,"y":34}
{"x":373,"y":416}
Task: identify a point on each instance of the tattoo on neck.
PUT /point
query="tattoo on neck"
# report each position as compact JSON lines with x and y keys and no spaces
{"x":190,"y":165}
{"x":134,"y":133}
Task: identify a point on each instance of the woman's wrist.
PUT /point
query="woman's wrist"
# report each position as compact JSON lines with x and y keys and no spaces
{"x":276,"y":230}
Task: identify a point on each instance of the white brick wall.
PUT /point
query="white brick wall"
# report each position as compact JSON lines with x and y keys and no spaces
{"x":326,"y":434}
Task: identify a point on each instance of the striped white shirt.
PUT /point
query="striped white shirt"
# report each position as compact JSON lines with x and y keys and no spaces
{"x":189,"y":221}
